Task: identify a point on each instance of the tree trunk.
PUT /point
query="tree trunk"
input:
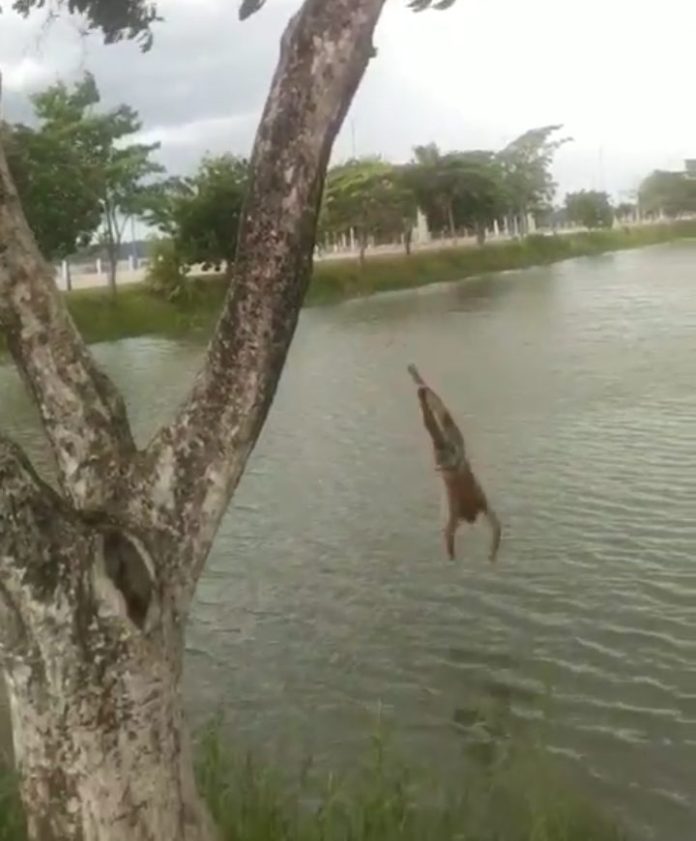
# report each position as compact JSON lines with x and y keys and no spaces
{"x":112,"y":253}
{"x":450,"y":222}
{"x":480,"y":234}
{"x":362,"y":244}
{"x":523,"y":226}
{"x":112,"y":242}
{"x":408,"y":239}
{"x":102,"y":757}
{"x":96,"y":582}
{"x":93,"y":642}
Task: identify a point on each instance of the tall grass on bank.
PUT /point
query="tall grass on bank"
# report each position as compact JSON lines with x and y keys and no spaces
{"x":337,"y":279}
{"x":516,"y":794}
{"x":140,"y":310}
{"x":512,"y":793}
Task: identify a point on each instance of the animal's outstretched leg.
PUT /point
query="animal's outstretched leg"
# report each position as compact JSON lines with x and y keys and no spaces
{"x":494,"y":523}
{"x":450,"y":531}
{"x":430,"y":422}
{"x":417,"y":379}
{"x":446,"y":436}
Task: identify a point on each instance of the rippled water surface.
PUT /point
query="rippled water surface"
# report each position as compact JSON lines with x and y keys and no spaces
{"x":328,"y":591}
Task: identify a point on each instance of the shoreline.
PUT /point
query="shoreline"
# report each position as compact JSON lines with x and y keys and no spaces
{"x":138,"y":311}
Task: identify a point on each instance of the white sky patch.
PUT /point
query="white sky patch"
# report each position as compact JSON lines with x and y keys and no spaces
{"x":27,"y":75}
{"x":197,"y":132}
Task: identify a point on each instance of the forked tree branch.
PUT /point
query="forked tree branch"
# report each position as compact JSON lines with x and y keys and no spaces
{"x":83,"y":414}
{"x":324,"y":53}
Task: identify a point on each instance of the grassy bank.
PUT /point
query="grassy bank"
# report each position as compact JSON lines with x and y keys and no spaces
{"x":344,"y":279}
{"x":137,"y":311}
{"x":512,"y":794}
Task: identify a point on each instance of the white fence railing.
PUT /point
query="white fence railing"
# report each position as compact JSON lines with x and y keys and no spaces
{"x":95,"y":273}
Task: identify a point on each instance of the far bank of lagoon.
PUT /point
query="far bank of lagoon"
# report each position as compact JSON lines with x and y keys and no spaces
{"x":137,"y":310}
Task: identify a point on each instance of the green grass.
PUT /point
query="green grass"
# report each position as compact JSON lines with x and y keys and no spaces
{"x":334,"y":280}
{"x":11,"y":816}
{"x":138,"y":311}
{"x":513,"y":792}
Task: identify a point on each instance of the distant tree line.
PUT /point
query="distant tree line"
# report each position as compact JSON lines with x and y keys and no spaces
{"x":82,"y":176}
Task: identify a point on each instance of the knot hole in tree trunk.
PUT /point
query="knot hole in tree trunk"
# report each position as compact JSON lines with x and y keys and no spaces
{"x":127,"y":567}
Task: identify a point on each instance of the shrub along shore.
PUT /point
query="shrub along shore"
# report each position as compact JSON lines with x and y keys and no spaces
{"x":137,"y":310}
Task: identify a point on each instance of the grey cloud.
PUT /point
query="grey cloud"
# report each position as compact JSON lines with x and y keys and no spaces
{"x":204,"y":63}
{"x":205,"y":68}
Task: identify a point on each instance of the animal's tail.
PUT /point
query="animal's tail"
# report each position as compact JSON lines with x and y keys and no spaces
{"x":494,"y":523}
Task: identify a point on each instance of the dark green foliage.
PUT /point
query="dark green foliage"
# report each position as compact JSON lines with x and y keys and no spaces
{"x":116,"y":19}
{"x":466,"y":191}
{"x":132,"y":19}
{"x":458,"y":191}
{"x":201,"y":214}
{"x":671,"y":193}
{"x":77,"y":173}
{"x":370,"y":196}
{"x":590,"y":209}
{"x":625,"y":210}
{"x":167,"y":274}
{"x":249,"y":7}
{"x":526,"y":164}
{"x":422,"y":5}
{"x":58,"y":198}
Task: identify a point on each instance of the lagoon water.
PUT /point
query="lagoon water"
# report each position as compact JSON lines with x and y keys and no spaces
{"x":328,"y":596}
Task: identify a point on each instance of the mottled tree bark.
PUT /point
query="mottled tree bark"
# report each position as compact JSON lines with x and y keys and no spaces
{"x":92,"y":661}
{"x":96,"y":578}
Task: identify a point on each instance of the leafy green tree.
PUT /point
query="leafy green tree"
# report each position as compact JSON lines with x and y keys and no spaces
{"x":671,"y":193}
{"x":125,"y":191}
{"x":167,"y":274}
{"x":371,"y":197}
{"x":589,"y":208}
{"x":60,"y":204}
{"x":481,"y":196}
{"x":471,"y":189}
{"x":115,"y":173}
{"x":202,"y":213}
{"x":432,"y":181}
{"x":526,"y":165}
{"x":458,"y":190}
{"x":116,"y":19}
{"x":625,"y":210}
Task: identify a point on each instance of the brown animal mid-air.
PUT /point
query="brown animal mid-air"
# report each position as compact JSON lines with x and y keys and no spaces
{"x":465,"y":497}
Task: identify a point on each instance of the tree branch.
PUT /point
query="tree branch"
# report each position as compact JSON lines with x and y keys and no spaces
{"x":34,"y":519}
{"x":324,"y":53}
{"x":83,"y":414}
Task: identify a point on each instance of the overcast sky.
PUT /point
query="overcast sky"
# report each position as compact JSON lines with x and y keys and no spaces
{"x":619,"y":74}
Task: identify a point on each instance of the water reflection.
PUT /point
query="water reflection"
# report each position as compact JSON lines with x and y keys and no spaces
{"x":327,"y":592}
